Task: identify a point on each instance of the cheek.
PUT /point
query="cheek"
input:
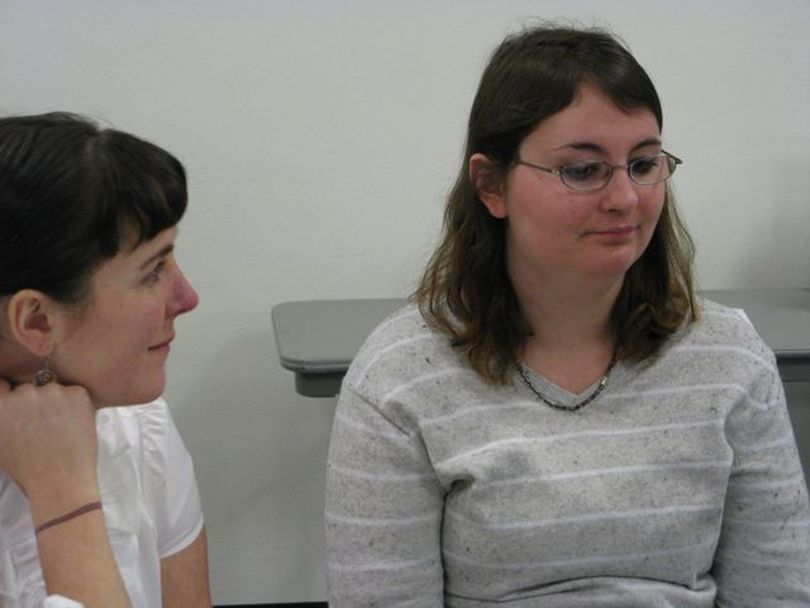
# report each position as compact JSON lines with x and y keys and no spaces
{"x":137,"y":328}
{"x":153,"y":320}
{"x":550,"y":213}
{"x":654,"y":205}
{"x":652,"y":214}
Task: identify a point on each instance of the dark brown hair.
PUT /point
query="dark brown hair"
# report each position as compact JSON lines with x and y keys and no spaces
{"x":466,"y":292}
{"x":67,"y":191}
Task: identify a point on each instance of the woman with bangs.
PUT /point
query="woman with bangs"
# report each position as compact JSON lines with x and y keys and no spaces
{"x":557,"y":421}
{"x":98,"y":501}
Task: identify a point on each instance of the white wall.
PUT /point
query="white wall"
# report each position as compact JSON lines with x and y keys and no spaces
{"x":320,"y":138}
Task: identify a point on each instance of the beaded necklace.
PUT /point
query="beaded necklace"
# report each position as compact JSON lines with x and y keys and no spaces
{"x":524,"y":373}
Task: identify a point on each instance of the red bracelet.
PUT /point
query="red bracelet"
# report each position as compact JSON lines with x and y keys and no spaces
{"x":91,"y":506}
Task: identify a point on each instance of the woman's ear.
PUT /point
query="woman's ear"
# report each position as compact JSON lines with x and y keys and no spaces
{"x":31,"y":319}
{"x":489,"y":185}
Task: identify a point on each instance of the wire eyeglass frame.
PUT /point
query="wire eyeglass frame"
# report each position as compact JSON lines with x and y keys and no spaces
{"x":606,"y":171}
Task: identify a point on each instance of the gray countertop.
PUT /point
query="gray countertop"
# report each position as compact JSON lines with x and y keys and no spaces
{"x":317,"y":339}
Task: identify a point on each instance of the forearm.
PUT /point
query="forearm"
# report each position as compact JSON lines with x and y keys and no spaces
{"x":184,"y":576}
{"x":77,"y":561}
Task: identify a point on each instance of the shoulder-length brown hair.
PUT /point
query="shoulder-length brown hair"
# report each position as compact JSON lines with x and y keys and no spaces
{"x":466,"y":292}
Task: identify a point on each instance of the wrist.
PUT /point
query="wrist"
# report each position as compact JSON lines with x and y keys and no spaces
{"x":48,"y":505}
{"x":84,"y":509}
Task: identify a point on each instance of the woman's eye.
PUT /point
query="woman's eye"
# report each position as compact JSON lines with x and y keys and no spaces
{"x":645,"y":166}
{"x":583,"y":172}
{"x":155,"y":274}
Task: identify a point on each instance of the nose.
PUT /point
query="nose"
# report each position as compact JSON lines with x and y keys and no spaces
{"x":184,"y":298}
{"x":621,"y":194}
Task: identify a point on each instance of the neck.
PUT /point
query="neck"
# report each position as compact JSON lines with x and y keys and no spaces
{"x":573,"y":341}
{"x":568,"y":313}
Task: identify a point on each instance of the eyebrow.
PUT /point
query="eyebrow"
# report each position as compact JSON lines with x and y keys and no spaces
{"x":592,"y":147}
{"x":160,"y":254}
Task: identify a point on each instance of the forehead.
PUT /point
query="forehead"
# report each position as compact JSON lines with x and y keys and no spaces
{"x":593,"y":118}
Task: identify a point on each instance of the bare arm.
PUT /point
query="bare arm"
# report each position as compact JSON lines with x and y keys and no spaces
{"x":48,"y":446}
{"x":184,"y":576}
{"x":77,"y":562}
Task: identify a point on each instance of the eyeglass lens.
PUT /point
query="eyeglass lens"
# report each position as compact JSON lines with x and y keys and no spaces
{"x":592,"y":175}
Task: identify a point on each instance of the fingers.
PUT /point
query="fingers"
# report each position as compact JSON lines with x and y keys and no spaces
{"x":48,"y":439}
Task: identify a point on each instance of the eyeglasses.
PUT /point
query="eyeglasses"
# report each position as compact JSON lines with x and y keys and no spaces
{"x":592,"y":175}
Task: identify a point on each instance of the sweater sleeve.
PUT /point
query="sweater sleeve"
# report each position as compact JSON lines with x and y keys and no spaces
{"x":383,"y":512}
{"x":763,"y":557}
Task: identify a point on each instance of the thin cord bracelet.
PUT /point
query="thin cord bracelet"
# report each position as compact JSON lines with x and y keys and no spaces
{"x":90,"y":506}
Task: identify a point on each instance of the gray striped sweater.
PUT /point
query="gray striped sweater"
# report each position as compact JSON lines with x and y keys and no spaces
{"x":679,"y":486}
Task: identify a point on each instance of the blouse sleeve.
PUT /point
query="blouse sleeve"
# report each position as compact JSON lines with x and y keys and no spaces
{"x":763,"y":557}
{"x":383,"y":512}
{"x":60,"y":601}
{"x":178,"y":512}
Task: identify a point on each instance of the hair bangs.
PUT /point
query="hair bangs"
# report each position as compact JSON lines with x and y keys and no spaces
{"x":139,"y":187}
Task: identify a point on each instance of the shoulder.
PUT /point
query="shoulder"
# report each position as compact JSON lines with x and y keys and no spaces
{"x":401,"y":346}
{"x":403,"y":352}
{"x":145,"y":428}
{"x":724,"y":329}
{"x":721,"y":347}
{"x":165,"y":469}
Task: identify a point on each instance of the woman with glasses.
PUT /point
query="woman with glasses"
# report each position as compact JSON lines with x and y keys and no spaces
{"x":557,"y":420}
{"x":98,"y":500}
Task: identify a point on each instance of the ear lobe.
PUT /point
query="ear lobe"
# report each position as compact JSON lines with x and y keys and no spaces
{"x":31,"y":320}
{"x":488,"y":184}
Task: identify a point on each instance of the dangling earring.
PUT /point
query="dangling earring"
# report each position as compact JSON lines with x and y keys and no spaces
{"x":46,"y":374}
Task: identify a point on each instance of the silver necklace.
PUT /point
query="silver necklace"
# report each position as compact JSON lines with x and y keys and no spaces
{"x":524,"y":373}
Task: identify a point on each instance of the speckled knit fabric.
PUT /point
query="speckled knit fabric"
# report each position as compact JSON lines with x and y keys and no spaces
{"x":679,"y":486}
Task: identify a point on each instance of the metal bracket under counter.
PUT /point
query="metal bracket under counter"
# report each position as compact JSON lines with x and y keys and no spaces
{"x":318,"y":339}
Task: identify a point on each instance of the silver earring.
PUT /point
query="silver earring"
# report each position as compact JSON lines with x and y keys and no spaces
{"x":46,"y":374}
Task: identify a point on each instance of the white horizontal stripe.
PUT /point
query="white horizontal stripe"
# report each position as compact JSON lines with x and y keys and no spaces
{"x":390,"y":477}
{"x":398,"y":315}
{"x":674,"y":390}
{"x":717,"y":348}
{"x":450,"y":371}
{"x":644,"y":468}
{"x":379,"y":521}
{"x":761,"y":447}
{"x":586,"y":518}
{"x":346,"y":421}
{"x":478,"y":409}
{"x":729,"y":556}
{"x":778,"y":524}
{"x":797,"y":478}
{"x":389,"y":565}
{"x":579,"y":560}
{"x":577,"y":435}
{"x":749,"y":599}
{"x":389,"y":348}
{"x":420,"y":602}
{"x":732,"y":313}
{"x":627,"y":584}
{"x":533,"y":404}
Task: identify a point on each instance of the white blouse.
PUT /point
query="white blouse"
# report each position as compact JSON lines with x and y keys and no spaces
{"x":150,"y":501}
